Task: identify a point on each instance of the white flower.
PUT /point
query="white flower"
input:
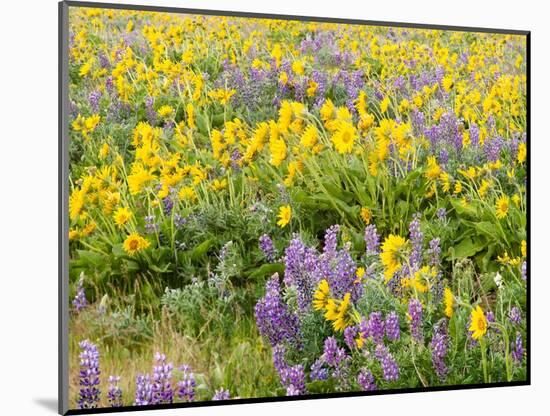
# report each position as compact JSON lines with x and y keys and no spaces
{"x":498,"y":280}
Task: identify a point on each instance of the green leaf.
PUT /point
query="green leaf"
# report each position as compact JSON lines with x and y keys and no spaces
{"x":466,"y":248}
{"x":118,"y":250}
{"x":202,"y":249}
{"x":267,"y":270}
{"x":91,"y":257}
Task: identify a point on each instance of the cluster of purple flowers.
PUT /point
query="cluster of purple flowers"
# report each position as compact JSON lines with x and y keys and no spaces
{"x":94,"y":98}
{"x":292,"y":377}
{"x":415,"y":316}
{"x":151,"y":227}
{"x":318,"y":371}
{"x":162,"y":391}
{"x":144,"y":390}
{"x":187,"y":384}
{"x":221,"y":394}
{"x":273,"y":318}
{"x":517,"y":349}
{"x":266,"y":245}
{"x":373,"y":327}
{"x":114,"y":393}
{"x":337,"y":359}
{"x":390,"y":369}
{"x":438,"y":346}
{"x":372,"y":239}
{"x":88,"y":376}
{"x":417,"y":238}
{"x":515,"y":315}
{"x":393,"y":331}
{"x":297,"y":273}
{"x":365,"y":379}
{"x":80,"y":301}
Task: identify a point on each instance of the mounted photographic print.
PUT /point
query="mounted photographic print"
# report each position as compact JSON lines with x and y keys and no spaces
{"x":263,"y":208}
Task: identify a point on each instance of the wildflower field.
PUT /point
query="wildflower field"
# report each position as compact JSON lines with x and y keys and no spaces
{"x":264,"y":208}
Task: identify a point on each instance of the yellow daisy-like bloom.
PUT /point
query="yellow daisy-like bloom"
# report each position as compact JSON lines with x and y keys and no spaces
{"x":344,"y":137}
{"x":134,"y":243}
{"x":384,"y":104}
{"x":73,"y":235}
{"x":502,"y":206}
{"x":122,"y":215}
{"x":523,"y":248}
{"x":310,"y":137}
{"x":285,"y":214}
{"x":320,"y":297}
{"x":390,"y":255}
{"x":522,"y":152}
{"x":359,"y":274}
{"x":366,"y":215}
{"x":165,"y":111}
{"x":218,"y":185}
{"x":478,"y":327}
{"x":338,"y":312}
{"x":449,"y":302}
{"x":187,"y":193}
{"x":433,"y":170}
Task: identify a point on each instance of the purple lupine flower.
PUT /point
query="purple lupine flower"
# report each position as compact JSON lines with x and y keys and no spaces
{"x":109,"y":84}
{"x":350,"y":333}
{"x":93,"y":99}
{"x":144,"y":390}
{"x":332,"y":354}
{"x":375,"y":327}
{"x":295,"y":380}
{"x":279,"y":361}
{"x":151,"y":226}
{"x":186,"y":386}
{"x":343,"y":279}
{"x":80,"y":301}
{"x":390,"y":369}
{"x":318,"y":372}
{"x":103,"y":60}
{"x":167,"y":205}
{"x":490,"y":316}
{"x":273,"y":318}
{"x":365,"y":379}
{"x":441,"y":213}
{"x":372,"y":239}
{"x":266,"y":245}
{"x":336,"y":358}
{"x":524,"y":270}
{"x":391,"y":325}
{"x":434,"y":253}
{"x":180,"y":221}
{"x":235,"y":159}
{"x":415,"y":316}
{"x":114,"y":393}
{"x":162,"y":391}
{"x":517,"y":349}
{"x":88,"y":376}
{"x":295,"y":273}
{"x":438,"y":345}
{"x":150,"y":106}
{"x":221,"y":394}
{"x":418,"y":122}
{"x":515,"y":315}
{"x":331,"y":241}
{"x":474,"y":135}
{"x":492,"y":148}
{"x":417,"y":238}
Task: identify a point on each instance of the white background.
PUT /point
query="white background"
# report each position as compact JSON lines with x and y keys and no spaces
{"x":28,"y":204}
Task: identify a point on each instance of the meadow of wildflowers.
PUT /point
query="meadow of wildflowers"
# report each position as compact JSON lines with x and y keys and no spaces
{"x":266,"y":208}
